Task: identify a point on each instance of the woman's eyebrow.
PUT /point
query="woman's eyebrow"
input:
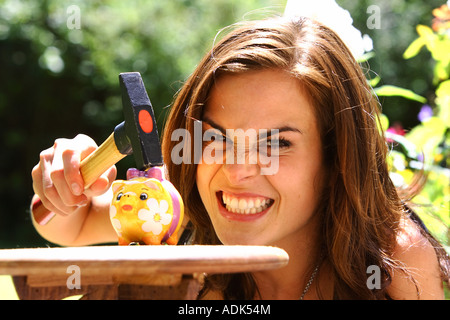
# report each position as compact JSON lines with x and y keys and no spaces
{"x":269,"y":132}
{"x":214,"y":125}
{"x":283,"y":129}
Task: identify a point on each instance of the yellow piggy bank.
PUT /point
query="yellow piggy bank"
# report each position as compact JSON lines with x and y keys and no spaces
{"x":146,"y":209}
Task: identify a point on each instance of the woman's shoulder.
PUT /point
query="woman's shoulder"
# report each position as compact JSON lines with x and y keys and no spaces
{"x":415,"y":255}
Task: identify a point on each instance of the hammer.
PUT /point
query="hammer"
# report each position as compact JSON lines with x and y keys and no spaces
{"x":136,"y":135}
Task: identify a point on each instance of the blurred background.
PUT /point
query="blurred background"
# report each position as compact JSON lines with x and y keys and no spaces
{"x":59,"y":78}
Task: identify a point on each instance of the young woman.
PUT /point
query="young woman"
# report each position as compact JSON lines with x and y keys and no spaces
{"x":328,"y":201}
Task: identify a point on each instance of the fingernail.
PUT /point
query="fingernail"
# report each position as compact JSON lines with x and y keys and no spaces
{"x":83,"y":203}
{"x":76,"y":189}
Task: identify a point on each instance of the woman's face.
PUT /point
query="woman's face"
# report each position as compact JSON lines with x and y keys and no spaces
{"x":248,"y":206}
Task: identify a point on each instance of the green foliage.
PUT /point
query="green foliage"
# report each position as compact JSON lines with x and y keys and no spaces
{"x":390,"y":40}
{"x":388,"y":90}
{"x":431,"y":137}
{"x":438,"y":44}
{"x":426,"y":146}
{"x":58,"y":81}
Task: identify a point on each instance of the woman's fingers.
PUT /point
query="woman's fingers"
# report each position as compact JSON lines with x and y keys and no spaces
{"x":57,"y":179}
{"x":62,"y":185}
{"x":103,"y":183}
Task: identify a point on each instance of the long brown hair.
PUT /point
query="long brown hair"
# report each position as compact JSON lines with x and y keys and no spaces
{"x":360,"y":208}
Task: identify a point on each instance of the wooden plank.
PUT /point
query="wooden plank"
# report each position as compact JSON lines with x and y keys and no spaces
{"x":186,"y":288}
{"x":89,"y":292}
{"x":137,"y":261}
{"x":60,"y":279}
{"x":153,"y":279}
{"x":130,"y":272}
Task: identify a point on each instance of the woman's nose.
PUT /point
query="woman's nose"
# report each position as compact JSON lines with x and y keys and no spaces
{"x":243,"y":165}
{"x":237,"y":173}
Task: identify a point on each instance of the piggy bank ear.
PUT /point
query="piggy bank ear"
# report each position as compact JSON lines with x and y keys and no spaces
{"x":150,"y":184}
{"x":116,"y":185}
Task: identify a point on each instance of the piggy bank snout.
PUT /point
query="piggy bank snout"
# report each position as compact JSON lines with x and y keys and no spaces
{"x":127,"y":202}
{"x":127,"y":207}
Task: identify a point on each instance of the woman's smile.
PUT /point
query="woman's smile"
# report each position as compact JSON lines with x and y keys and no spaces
{"x":243,"y":206}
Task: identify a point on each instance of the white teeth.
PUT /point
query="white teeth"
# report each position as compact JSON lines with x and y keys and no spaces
{"x":242,"y":204}
{"x":245,"y":206}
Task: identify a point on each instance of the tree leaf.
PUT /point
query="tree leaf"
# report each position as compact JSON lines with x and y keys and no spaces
{"x":383,"y":125}
{"x":388,"y":90}
{"x":414,"y":48}
{"x":424,"y":31}
{"x":366,"y":57}
{"x":373,"y":82}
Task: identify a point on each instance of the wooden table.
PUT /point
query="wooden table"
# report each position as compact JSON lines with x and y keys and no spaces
{"x":129,"y":272}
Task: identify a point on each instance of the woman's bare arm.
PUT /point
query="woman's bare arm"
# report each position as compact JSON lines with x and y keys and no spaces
{"x":82,"y":216}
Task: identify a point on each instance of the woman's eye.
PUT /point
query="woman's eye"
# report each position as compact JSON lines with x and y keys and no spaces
{"x":143,"y":196}
{"x":216,"y":138}
{"x":272,"y":146}
{"x":119,"y":196}
{"x":278,"y":143}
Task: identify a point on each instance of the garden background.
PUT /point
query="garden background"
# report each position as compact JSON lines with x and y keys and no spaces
{"x":57,"y":80}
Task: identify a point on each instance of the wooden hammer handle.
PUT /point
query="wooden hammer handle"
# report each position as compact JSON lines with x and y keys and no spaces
{"x":92,"y":167}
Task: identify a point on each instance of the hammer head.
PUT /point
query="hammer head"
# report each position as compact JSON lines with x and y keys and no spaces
{"x":139,"y":128}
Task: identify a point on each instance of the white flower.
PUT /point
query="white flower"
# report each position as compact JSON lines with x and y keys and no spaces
{"x":156,"y":216}
{"x":115,"y":222}
{"x":329,"y":13}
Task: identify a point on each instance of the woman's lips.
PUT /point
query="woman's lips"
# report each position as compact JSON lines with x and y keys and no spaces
{"x":243,"y":206}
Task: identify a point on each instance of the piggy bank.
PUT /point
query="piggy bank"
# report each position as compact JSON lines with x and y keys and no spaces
{"x":146,"y":208}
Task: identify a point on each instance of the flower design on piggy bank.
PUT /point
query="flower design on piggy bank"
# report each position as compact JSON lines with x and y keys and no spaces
{"x":146,"y":210}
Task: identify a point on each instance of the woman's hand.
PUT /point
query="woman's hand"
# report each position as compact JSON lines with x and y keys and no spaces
{"x":57,"y":179}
